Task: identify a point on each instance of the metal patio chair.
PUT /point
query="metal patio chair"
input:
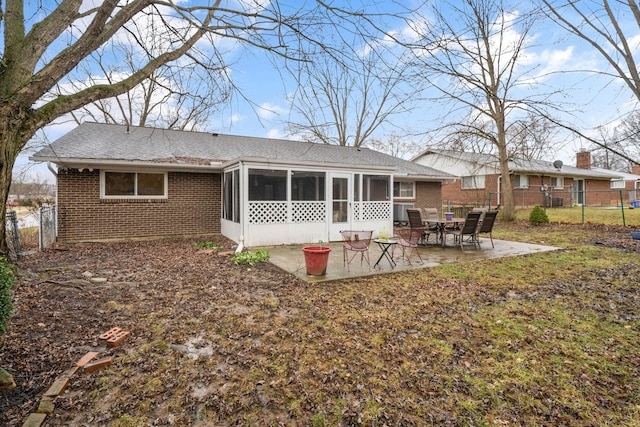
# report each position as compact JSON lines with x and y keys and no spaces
{"x":469,"y":228}
{"x":486,"y":226}
{"x":356,"y":241}
{"x":408,"y":241}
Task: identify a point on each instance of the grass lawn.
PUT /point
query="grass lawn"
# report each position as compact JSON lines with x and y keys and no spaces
{"x":578,"y":215}
{"x":550,"y":339}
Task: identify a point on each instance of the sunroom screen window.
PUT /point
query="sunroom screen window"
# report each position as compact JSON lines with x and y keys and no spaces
{"x":307,"y":186}
{"x":231,"y":199}
{"x":267,"y":185}
{"x":375,"y":188}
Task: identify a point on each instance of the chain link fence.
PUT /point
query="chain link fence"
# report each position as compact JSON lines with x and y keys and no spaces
{"x":33,"y":230}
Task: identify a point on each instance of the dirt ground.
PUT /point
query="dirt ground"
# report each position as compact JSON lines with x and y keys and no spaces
{"x":62,"y":305}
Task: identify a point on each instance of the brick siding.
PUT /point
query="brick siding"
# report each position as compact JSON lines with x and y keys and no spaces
{"x":192,"y":208}
{"x":598,"y":193}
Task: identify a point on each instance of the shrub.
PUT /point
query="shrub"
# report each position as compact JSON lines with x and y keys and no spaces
{"x":7,"y":279}
{"x":251,"y":258}
{"x":538,"y":216}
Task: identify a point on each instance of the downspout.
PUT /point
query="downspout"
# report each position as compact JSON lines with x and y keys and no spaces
{"x":242,"y":206}
{"x":53,"y":171}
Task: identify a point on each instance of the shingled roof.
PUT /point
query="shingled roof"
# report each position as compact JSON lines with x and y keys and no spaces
{"x":97,"y":145}
{"x":522,"y":166}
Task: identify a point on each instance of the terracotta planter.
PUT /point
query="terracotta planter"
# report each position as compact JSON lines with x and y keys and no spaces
{"x":316,"y":259}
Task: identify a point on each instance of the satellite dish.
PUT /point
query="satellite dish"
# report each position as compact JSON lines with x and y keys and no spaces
{"x":558,"y":164}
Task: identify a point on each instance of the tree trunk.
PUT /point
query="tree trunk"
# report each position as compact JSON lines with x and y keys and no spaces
{"x":508,"y":208}
{"x":14,"y":134}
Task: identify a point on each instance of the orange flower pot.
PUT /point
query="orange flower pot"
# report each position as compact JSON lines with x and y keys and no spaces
{"x":316,"y":259}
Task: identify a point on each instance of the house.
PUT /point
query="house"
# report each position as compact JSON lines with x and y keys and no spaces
{"x":535,"y":182}
{"x":121,"y":182}
{"x":628,"y":183}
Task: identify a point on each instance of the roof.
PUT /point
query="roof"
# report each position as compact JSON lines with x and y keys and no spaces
{"x":523,"y":166}
{"x":96,"y":145}
{"x":625,"y":176}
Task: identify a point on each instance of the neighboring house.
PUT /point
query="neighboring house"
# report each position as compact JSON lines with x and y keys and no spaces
{"x":536,"y":182}
{"x":118,"y":182}
{"x":628,"y":182}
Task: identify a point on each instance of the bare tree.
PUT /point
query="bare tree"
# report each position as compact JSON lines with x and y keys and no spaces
{"x":602,"y":25}
{"x":180,"y":96}
{"x":472,"y":52}
{"x":395,"y":145}
{"x":45,"y":48}
{"x":344,"y":102}
{"x":533,"y":137}
{"x":611,"y":28}
{"x":618,"y":145}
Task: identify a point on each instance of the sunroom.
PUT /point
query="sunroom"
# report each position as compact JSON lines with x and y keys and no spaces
{"x":271,"y":204}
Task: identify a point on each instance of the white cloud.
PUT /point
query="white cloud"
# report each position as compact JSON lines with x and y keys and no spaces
{"x":269,"y":111}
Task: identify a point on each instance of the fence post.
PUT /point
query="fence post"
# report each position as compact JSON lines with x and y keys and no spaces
{"x":13,"y":217}
{"x":40,"y":232}
{"x":624,"y":222}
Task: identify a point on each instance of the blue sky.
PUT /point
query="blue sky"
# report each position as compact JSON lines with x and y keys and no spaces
{"x":597,"y":100}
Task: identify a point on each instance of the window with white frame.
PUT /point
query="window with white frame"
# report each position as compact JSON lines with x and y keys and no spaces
{"x":140,"y":185}
{"x":404,"y":190}
{"x":557,"y":181}
{"x":521,"y":181}
{"x":617,"y":183}
{"x":231,"y":196}
{"x":375,"y":188}
{"x":307,"y":186}
{"x":267,"y":185}
{"x":472,"y":182}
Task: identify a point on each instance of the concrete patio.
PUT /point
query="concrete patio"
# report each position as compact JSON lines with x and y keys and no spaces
{"x":291,"y":258}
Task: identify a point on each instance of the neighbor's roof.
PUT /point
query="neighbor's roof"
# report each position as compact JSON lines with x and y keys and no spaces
{"x":96,"y":145}
{"x":525,"y":166}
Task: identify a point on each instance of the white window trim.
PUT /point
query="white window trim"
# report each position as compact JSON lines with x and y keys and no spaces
{"x":520,"y":185}
{"x":135,"y":197}
{"x":479,"y":182}
{"x":619,"y":186}
{"x":413,"y":190}
{"x":559,"y":178}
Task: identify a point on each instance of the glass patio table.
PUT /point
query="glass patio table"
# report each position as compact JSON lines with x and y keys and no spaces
{"x":384,"y":246}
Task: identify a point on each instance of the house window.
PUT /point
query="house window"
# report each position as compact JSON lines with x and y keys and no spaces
{"x":404,"y":190}
{"x":307,"y":186}
{"x":133,"y":185}
{"x":472,"y":182}
{"x":557,"y":182}
{"x":231,"y":196}
{"x":521,"y":181}
{"x":375,"y":188}
{"x":617,"y":183}
{"x":267,"y":185}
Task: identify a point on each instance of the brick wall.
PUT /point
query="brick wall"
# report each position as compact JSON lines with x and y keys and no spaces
{"x":428,"y":195}
{"x":192,"y":208}
{"x":583,"y":160}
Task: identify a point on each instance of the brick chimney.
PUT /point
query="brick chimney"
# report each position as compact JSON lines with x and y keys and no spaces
{"x":635,"y":169}
{"x":583,"y":160}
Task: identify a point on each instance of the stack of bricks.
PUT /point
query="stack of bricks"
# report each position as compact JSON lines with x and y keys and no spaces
{"x":113,"y":338}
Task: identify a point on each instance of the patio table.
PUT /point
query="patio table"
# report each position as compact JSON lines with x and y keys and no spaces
{"x":442,"y":224}
{"x":384,"y":246}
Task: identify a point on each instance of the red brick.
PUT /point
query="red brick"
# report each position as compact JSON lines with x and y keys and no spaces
{"x":98,"y":364}
{"x":34,"y":420}
{"x":86,"y":358}
{"x":111,"y":332}
{"x":116,"y":340}
{"x":57,"y":387}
